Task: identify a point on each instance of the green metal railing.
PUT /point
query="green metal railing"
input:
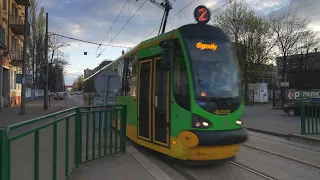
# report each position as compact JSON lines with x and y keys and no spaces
{"x":310,"y":117}
{"x":52,"y":146}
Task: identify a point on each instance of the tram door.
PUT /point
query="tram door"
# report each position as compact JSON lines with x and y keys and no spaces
{"x":153,"y":102}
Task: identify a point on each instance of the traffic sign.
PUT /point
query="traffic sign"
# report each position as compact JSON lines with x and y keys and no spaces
{"x":28,"y":78}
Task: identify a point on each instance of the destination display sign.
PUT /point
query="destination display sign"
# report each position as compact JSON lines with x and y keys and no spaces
{"x":203,"y":46}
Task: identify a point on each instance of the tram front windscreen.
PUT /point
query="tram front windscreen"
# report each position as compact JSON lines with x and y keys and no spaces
{"x":215,"y":74}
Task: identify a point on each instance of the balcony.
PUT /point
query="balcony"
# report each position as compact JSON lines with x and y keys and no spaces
{"x":23,"y":2}
{"x":17,"y":25}
{"x":3,"y":42}
{"x":17,"y":58}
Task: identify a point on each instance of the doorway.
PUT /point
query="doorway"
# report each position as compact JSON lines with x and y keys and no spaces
{"x":153,"y":102}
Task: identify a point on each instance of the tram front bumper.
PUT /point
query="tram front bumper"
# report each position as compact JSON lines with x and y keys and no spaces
{"x":221,"y":138}
{"x":211,"y":145}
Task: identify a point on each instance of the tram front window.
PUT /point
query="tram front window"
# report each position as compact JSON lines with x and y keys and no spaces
{"x":215,"y":75}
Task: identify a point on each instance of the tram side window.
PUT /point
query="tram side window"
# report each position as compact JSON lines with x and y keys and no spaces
{"x":181,"y":85}
{"x":132,"y":79}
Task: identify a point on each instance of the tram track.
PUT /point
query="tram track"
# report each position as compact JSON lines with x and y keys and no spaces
{"x":252,"y":170}
{"x":282,"y":156}
{"x":181,"y":171}
{"x":291,"y":144}
{"x":239,"y":165}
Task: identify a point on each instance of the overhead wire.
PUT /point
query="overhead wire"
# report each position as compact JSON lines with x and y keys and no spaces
{"x":112,"y":25}
{"x":90,"y":42}
{"x":78,"y":13}
{"x":220,"y":8}
{"x":184,"y":9}
{"x":171,"y":17}
{"x":124,"y":25}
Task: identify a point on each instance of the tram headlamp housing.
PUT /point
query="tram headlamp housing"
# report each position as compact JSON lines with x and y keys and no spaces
{"x":240,"y":121}
{"x":200,"y":122}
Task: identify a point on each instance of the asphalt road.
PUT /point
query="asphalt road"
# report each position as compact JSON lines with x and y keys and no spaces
{"x":76,"y":100}
{"x":263,"y":117}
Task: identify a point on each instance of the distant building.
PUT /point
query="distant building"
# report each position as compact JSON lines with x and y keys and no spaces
{"x":87,"y":72}
{"x":68,"y":88}
{"x":302,"y":70}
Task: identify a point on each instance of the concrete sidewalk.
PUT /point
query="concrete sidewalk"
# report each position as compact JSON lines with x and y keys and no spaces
{"x":131,"y":165}
{"x":11,"y":115}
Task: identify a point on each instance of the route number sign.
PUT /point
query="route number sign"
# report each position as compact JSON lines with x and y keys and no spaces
{"x":202,"y":14}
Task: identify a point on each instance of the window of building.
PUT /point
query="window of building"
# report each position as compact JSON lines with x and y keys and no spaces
{"x":5,"y":4}
{"x":13,"y":46}
{"x":181,"y":83}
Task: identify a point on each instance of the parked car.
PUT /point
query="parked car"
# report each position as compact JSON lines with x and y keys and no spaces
{"x":78,"y":93}
{"x":59,"y":96}
{"x":294,"y":108}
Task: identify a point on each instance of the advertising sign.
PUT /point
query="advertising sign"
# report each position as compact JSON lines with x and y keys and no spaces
{"x":296,"y":94}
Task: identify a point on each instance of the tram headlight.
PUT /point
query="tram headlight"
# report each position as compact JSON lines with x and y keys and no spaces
{"x":200,"y":122}
{"x":238,"y":122}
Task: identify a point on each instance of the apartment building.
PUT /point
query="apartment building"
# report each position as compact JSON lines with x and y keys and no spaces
{"x":11,"y":49}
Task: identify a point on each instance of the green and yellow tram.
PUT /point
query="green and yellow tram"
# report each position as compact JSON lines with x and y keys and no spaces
{"x":183,"y":94}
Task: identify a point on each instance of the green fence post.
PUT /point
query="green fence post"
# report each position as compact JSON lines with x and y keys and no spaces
{"x":302,"y":106}
{"x":123,"y":129}
{"x":4,"y":154}
{"x":78,"y":145}
{"x":89,"y":100}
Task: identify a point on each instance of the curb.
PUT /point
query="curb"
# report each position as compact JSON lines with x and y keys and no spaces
{"x":268,"y":132}
{"x":300,"y":137}
{"x":154,"y":170}
{"x":290,"y":137}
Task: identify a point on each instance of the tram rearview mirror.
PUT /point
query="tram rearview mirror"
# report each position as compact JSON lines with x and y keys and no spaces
{"x":166,"y":46}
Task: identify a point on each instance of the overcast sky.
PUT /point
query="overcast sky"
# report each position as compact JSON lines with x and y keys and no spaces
{"x":94,"y":21}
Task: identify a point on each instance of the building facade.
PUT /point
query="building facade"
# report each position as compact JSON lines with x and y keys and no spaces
{"x":11,"y":49}
{"x":302,"y":70}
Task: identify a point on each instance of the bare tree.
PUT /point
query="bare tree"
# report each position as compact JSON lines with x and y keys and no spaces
{"x":36,"y":43}
{"x":305,"y":46}
{"x":55,"y":43}
{"x":251,"y":35}
{"x":288,"y":30}
{"x":58,"y":60}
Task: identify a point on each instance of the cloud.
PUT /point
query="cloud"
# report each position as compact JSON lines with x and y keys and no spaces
{"x":46,"y":3}
{"x":93,"y":23}
{"x":75,"y":30}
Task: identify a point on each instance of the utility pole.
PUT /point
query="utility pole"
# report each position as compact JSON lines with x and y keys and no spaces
{"x":24,"y":70}
{"x":45,"y":100}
